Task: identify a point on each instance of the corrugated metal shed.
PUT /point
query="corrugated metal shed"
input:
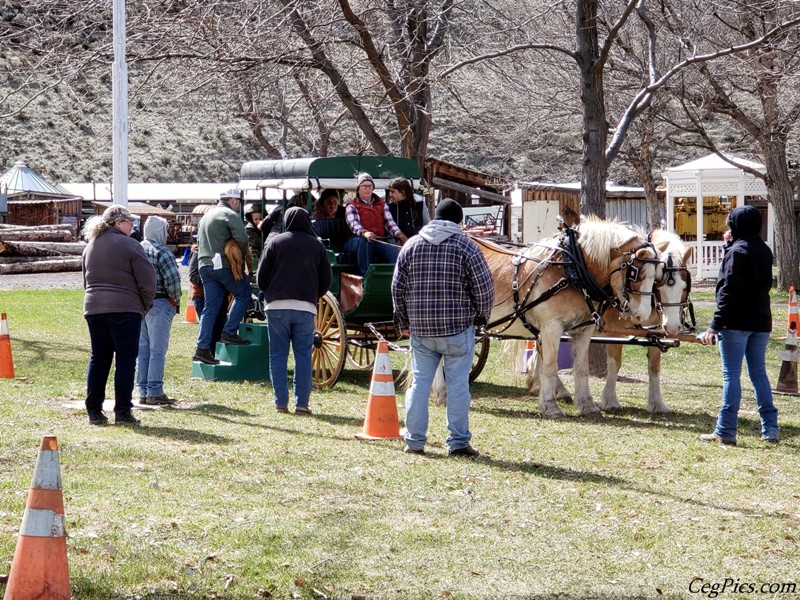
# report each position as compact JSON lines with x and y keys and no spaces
{"x":21,"y":179}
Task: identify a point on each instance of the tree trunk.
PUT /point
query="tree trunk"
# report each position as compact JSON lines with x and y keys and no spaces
{"x":36,"y":236}
{"x":781,"y":196}
{"x":45,"y":266}
{"x":41,"y":248}
{"x":595,"y":127}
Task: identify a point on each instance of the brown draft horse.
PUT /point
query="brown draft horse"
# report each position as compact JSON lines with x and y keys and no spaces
{"x":668,"y":317}
{"x":564,"y":284}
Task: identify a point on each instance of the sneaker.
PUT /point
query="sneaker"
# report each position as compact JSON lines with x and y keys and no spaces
{"x":281,"y":409}
{"x":161,"y":400}
{"x":420,"y":452}
{"x":302,"y":410}
{"x":234,"y":339}
{"x":126,"y":418}
{"x":713,"y":437}
{"x":142,"y":400}
{"x":465,"y":451}
{"x":204,"y":356}
{"x":769,"y":440}
{"x":98,"y":418}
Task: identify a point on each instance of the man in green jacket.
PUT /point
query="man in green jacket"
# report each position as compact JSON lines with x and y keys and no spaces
{"x":219,"y":225}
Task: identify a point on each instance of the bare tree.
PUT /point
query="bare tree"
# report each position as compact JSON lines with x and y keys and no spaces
{"x":758,"y":91}
{"x":598,"y":27}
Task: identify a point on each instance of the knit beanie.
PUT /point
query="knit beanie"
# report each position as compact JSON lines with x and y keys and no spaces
{"x":362,"y":177}
{"x":449,"y":210}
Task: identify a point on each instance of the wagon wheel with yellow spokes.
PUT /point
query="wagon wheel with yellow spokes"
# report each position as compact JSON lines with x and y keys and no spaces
{"x":360,"y":350}
{"x":329,"y":351}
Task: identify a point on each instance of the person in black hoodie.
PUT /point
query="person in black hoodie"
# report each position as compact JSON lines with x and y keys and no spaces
{"x":742,"y":323}
{"x":294,"y":273}
{"x":409,"y":214}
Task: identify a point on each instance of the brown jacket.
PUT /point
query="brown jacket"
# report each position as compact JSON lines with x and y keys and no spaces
{"x":117,"y":275}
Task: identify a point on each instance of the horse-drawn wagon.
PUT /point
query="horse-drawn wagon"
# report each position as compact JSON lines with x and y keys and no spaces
{"x":357,"y":312}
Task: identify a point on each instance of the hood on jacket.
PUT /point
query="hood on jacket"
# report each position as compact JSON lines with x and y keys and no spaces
{"x":745,"y":222}
{"x":296,"y":219}
{"x":438,"y":230}
{"x":155,"y":230}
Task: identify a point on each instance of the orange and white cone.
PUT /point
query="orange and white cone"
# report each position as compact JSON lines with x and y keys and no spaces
{"x":381,"y":421}
{"x":787,"y":379}
{"x":191,"y":314}
{"x":530,"y":348}
{"x":793,"y":317}
{"x":39,"y":568}
{"x":6,"y":360}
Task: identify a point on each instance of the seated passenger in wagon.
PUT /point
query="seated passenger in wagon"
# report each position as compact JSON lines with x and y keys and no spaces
{"x":371,"y":223}
{"x":328,"y":220}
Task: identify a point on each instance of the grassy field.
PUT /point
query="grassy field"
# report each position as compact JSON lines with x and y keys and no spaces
{"x":220,"y":497}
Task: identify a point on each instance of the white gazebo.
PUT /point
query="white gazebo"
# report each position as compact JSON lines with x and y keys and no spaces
{"x":717,"y":186}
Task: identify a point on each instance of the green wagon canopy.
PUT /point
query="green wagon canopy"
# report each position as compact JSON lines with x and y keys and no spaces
{"x":316,"y":174}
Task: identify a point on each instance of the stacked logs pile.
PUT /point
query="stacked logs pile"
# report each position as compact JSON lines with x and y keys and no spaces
{"x":42,"y":249}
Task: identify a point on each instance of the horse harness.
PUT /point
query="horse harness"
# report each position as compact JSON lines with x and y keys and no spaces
{"x":576,"y":273}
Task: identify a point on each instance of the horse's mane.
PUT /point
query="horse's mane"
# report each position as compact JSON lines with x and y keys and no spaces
{"x":672,"y":242}
{"x":598,"y":237}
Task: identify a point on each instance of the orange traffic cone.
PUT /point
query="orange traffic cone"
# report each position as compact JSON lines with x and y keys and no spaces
{"x":191,"y":314}
{"x":6,"y":361}
{"x":381,"y":422}
{"x":530,"y":348}
{"x":793,"y":317}
{"x":39,"y":568}
{"x":787,"y":379}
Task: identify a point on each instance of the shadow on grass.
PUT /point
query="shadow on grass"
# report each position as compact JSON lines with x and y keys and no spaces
{"x":184,"y":435}
{"x":218,"y":410}
{"x":551,"y":472}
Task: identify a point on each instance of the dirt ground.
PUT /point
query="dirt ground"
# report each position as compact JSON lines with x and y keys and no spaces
{"x":72,"y":280}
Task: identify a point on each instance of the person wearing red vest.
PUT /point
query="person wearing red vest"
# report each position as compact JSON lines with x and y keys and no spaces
{"x":371,"y":222}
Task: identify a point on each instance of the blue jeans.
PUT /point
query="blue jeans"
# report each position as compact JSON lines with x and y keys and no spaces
{"x":217,"y":283}
{"x":153,"y":343}
{"x":295,"y":327}
{"x":457,"y":351}
{"x":112,"y":334}
{"x":369,"y":252}
{"x":734,"y":346}
{"x":219,"y":322}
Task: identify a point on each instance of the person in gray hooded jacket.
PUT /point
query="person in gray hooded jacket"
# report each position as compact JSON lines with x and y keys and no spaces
{"x":157,"y":323}
{"x":442,"y":288}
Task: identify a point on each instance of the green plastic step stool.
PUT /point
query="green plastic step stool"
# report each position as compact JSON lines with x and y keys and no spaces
{"x":239,"y":363}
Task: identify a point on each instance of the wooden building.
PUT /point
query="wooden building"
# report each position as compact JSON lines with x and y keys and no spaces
{"x":32,"y":200}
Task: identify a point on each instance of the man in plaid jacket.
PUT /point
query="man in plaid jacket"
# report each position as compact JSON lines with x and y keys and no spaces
{"x":442,"y":288}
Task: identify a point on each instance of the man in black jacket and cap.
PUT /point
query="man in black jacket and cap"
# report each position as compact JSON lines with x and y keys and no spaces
{"x":294,"y":273}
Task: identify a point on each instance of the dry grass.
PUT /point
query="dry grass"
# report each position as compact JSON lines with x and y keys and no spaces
{"x":223,"y":498}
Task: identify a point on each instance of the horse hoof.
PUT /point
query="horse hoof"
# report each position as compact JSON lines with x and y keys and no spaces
{"x":553,"y":415}
{"x":615,"y":408}
{"x":592,"y":414}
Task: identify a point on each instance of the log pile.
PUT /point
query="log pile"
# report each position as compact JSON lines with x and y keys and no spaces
{"x":42,"y":249}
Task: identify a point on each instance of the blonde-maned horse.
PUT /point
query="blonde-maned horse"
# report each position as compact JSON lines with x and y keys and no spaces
{"x":564,"y":284}
{"x":668,"y":317}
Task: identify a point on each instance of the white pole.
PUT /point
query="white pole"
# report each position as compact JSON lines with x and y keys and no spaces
{"x":120,"y":109}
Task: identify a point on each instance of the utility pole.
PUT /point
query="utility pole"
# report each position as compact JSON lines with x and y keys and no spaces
{"x":120,"y":109}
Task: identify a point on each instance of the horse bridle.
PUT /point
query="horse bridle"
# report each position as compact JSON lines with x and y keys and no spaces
{"x":669,"y":279}
{"x":632,"y":268}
